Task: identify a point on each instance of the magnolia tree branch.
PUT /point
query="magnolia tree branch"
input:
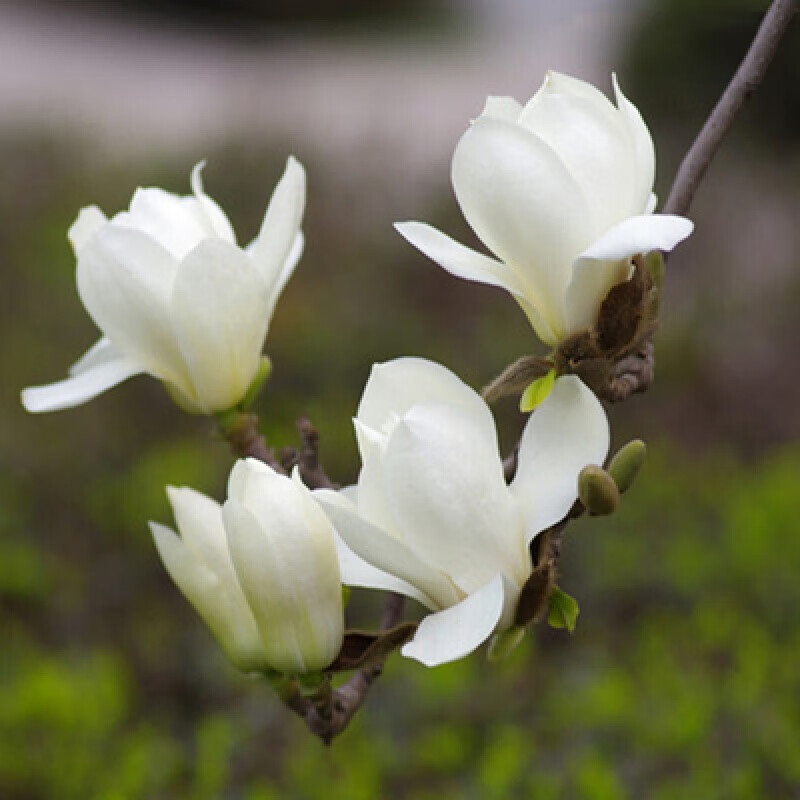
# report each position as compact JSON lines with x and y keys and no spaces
{"x":744,"y":82}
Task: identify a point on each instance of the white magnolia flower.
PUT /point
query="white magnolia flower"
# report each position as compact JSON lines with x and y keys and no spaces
{"x":175,"y":297}
{"x":432,"y":507}
{"x":261,"y":570}
{"x":560,"y":190}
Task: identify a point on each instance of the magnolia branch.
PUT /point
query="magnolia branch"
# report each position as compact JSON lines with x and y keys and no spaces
{"x":744,"y":82}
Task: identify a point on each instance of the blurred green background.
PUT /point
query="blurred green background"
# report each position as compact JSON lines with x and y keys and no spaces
{"x":682,"y":679}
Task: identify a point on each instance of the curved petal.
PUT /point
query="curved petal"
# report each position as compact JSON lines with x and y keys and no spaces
{"x":394,"y":387}
{"x":272,"y":246}
{"x":591,"y":139}
{"x":644,"y":151}
{"x":79,"y":388}
{"x":524,"y":206}
{"x":295,"y":254}
{"x":567,"y":432}
{"x":219,"y":313}
{"x":211,"y":216}
{"x":169,"y":219}
{"x":458,"y":260}
{"x":421,"y":581}
{"x":447,"y":494}
{"x":455,"y":632}
{"x":125,"y":280}
{"x":89,"y":220}
{"x":290,"y":579}
{"x":505,"y":108}
{"x":199,"y":520}
{"x":101,"y":352}
{"x":606,"y":262}
{"x":225,"y":612}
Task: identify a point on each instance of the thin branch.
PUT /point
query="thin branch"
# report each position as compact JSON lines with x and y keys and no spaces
{"x":246,"y":442}
{"x":744,"y":82}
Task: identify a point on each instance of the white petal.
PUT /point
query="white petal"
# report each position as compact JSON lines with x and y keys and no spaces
{"x":592,"y":141}
{"x":214,"y":219}
{"x":278,"y":233}
{"x":464,"y":262}
{"x":372,"y":505}
{"x":89,"y":220}
{"x":199,"y":520}
{"x":447,"y":494}
{"x":79,"y":388}
{"x":459,"y":260}
{"x":225,"y":612}
{"x":644,"y":151}
{"x":101,"y":352}
{"x":505,"y":108}
{"x":606,"y":262}
{"x":524,"y":206}
{"x":418,"y":579}
{"x":567,"y":432}
{"x":125,"y":280}
{"x":219,"y":309}
{"x":173,"y":221}
{"x":395,"y":386}
{"x":457,"y":631}
{"x":289,"y":265}
{"x":289,"y":572}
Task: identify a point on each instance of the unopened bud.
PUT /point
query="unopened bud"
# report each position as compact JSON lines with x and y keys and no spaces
{"x":597,"y":491}
{"x":625,"y":465}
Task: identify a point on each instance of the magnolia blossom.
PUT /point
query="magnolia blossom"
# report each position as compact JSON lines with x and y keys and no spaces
{"x":432,"y":506}
{"x":175,"y":297}
{"x":560,"y":191}
{"x":262,"y":570}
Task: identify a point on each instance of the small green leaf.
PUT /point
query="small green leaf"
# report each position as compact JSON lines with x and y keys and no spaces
{"x":504,"y":643}
{"x":563,"y":610}
{"x":537,"y":391}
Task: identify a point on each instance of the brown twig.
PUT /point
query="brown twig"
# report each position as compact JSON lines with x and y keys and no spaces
{"x":744,"y":82}
{"x":246,"y":442}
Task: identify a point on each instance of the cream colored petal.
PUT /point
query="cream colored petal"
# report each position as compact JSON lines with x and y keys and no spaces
{"x":455,"y":632}
{"x":209,"y":214}
{"x":592,"y":141}
{"x":567,"y":432}
{"x":524,"y":206}
{"x":219,"y":310}
{"x":643,"y":149}
{"x":225,"y":612}
{"x":272,"y":247}
{"x":421,"y":581}
{"x":89,"y":220}
{"x":125,"y":280}
{"x":447,"y":494}
{"x":79,"y":388}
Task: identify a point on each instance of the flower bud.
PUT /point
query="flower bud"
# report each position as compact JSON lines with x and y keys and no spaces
{"x":627,"y":462}
{"x":597,"y":491}
{"x":262,"y":571}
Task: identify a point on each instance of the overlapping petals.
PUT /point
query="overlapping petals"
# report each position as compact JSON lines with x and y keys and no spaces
{"x":432,"y":507}
{"x":560,"y":191}
{"x":176,"y":297}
